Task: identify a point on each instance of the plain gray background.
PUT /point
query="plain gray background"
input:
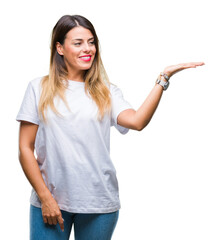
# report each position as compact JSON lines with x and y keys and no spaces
{"x":169,"y":172}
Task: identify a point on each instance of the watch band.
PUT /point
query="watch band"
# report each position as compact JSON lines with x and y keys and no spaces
{"x":165,"y":76}
{"x":164,"y":84}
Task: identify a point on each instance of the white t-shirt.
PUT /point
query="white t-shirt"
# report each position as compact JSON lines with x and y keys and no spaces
{"x":73,"y":152}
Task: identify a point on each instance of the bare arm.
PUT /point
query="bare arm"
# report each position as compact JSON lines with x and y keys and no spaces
{"x":147,"y":109}
{"x":139,"y":119}
{"x":50,"y":210}
{"x":27,"y":134}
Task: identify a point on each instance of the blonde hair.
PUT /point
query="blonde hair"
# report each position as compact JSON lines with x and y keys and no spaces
{"x":96,"y":80}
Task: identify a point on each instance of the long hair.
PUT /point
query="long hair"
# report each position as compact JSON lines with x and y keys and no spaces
{"x":96,"y":79}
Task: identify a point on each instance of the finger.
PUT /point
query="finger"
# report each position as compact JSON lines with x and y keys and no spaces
{"x":198,"y":63}
{"x":192,"y":64}
{"x":45,"y":219}
{"x":54,"y":220}
{"x":61,"y":222}
{"x":49,"y":220}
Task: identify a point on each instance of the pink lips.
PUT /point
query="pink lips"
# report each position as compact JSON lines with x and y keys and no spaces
{"x":86,"y":58}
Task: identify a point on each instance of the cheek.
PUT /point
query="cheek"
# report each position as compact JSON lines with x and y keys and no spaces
{"x":75,"y":52}
{"x":70,"y":51}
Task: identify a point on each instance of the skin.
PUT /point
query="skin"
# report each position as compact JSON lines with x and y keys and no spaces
{"x":139,"y":119}
{"x":72,"y":49}
{"x":50,"y":209}
{"x":79,"y":42}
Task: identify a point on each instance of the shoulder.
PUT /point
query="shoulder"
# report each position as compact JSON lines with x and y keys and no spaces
{"x":115,"y":90}
{"x":35,"y":83}
{"x":113,"y":87}
{"x":34,"y":86}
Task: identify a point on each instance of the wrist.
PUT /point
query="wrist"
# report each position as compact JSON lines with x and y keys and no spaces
{"x":165,"y":75}
{"x":159,"y":86}
{"x":44,"y":195}
{"x":168,"y":73}
{"x":162,"y":80}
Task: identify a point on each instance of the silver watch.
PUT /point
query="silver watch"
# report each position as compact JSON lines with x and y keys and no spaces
{"x":164,"y":75}
{"x":164,"y":84}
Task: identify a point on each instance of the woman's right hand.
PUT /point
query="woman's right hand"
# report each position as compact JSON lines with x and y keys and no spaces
{"x":51,"y":212}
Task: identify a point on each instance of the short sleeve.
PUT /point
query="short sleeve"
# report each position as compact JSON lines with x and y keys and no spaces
{"x":119,"y":104}
{"x":28,"y":109}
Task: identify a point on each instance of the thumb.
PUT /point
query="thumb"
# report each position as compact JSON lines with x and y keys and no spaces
{"x":61,"y":222}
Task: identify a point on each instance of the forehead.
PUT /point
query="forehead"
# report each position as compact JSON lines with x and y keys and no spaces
{"x":79,"y":33}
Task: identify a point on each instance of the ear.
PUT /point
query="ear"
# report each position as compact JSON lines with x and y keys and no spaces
{"x":59,"y":48}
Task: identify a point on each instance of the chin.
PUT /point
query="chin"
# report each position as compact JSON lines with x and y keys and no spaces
{"x":86,"y":68}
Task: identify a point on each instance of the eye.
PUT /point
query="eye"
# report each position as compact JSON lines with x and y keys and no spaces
{"x":76,"y":44}
{"x":93,"y":42}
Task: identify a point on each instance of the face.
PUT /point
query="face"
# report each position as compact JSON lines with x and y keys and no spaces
{"x":78,"y":49}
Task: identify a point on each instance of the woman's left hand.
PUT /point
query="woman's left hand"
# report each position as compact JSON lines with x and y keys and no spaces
{"x":171,"y":70}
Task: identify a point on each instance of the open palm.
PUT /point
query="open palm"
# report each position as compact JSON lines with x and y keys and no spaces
{"x":171,"y":70}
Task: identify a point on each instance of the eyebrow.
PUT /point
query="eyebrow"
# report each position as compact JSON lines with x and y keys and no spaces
{"x":79,"y":39}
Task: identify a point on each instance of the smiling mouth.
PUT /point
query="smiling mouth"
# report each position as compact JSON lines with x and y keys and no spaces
{"x":86,"y":58}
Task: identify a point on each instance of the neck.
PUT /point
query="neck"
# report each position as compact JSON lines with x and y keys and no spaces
{"x":76,"y":75}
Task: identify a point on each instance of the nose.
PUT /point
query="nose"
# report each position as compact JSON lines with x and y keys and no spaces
{"x":86,"y":47}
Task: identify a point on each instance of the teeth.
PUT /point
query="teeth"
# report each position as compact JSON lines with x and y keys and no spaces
{"x":86,"y":57}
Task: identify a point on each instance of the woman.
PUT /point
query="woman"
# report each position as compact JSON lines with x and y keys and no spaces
{"x":66,"y":117}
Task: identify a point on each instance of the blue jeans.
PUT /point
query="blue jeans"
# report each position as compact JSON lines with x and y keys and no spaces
{"x":92,"y":226}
